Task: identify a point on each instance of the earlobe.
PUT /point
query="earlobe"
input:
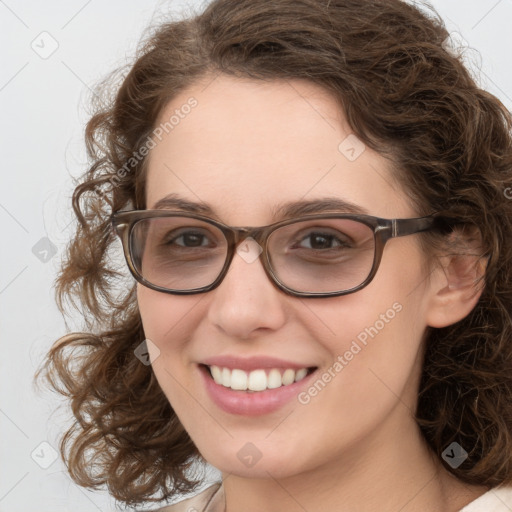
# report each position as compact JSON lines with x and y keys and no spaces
{"x":457,"y":284}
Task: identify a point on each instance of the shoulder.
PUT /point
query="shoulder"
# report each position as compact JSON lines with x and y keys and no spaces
{"x":197,"y":503}
{"x":497,"y":499}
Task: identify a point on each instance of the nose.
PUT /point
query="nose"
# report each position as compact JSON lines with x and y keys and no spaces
{"x":247,"y":302}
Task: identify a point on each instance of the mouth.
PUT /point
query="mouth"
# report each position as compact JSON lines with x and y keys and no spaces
{"x":254,"y":386}
{"x":257,"y":380}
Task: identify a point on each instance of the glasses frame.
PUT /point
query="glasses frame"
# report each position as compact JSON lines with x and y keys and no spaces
{"x":123,"y":222}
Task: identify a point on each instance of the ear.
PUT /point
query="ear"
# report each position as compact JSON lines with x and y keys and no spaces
{"x":457,"y":281}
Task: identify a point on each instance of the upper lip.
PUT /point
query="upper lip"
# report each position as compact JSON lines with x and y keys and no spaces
{"x":252,"y":363}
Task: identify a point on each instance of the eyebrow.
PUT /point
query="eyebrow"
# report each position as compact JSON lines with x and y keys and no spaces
{"x":286,"y":210}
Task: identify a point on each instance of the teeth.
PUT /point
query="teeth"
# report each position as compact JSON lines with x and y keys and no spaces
{"x":238,"y":380}
{"x":216,"y":374}
{"x":288,"y":377}
{"x":257,"y":380}
{"x":300,"y":374}
{"x":226,"y":377}
{"x":274,"y":379}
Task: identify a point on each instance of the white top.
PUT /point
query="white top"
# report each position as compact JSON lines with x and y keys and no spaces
{"x":498,"y":499}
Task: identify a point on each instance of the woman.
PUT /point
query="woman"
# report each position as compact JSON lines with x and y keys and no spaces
{"x":311,"y":196}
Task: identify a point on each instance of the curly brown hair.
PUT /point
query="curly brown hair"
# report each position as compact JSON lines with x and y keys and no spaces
{"x":404,"y":95}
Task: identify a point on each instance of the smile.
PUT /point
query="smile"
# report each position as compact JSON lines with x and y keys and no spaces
{"x":256,"y":380}
{"x":255,"y":390}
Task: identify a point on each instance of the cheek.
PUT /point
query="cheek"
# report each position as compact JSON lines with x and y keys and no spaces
{"x":371,"y":338}
{"x":373,"y":371}
{"x":168,"y":321}
{"x":162,"y":313}
{"x":374,"y":336}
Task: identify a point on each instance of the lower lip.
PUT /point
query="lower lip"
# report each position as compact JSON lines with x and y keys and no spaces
{"x":251,"y":404}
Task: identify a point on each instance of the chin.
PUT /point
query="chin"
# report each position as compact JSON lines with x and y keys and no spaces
{"x":256,"y":458}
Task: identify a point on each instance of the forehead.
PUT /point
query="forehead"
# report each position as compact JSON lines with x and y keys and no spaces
{"x":244,"y":146}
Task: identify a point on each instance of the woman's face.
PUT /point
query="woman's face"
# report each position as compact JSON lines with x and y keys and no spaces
{"x":243,"y":150}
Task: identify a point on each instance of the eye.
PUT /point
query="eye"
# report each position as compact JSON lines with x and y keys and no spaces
{"x":321,"y":241}
{"x":190,"y":239}
{"x":185,"y":238}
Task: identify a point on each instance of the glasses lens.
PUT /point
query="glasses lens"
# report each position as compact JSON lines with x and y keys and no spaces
{"x":322,"y":255}
{"x":177,"y":253}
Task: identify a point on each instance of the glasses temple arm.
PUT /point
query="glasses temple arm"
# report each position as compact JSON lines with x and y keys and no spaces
{"x":403,"y":227}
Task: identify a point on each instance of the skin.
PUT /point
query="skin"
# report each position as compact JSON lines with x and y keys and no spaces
{"x":247,"y":147}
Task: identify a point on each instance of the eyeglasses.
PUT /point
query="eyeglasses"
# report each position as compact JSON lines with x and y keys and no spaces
{"x":322,"y":255}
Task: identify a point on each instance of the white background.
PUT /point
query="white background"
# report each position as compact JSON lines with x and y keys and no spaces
{"x":41,"y":124}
